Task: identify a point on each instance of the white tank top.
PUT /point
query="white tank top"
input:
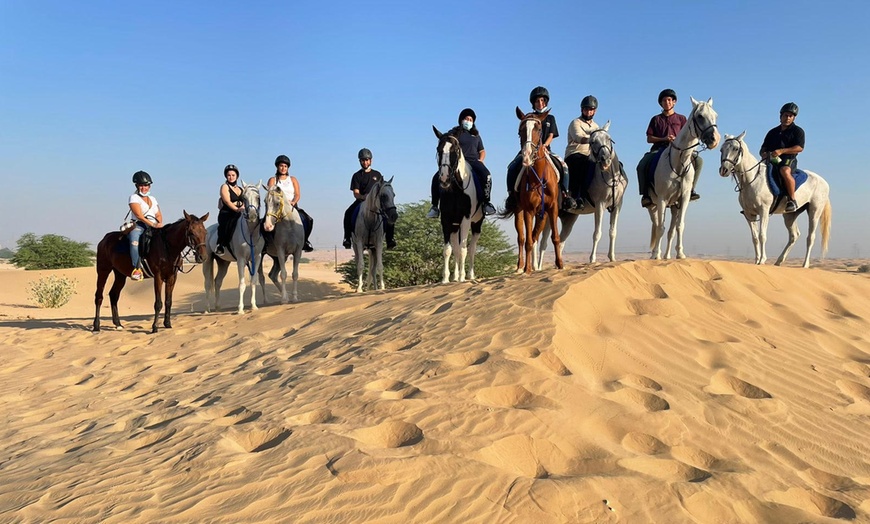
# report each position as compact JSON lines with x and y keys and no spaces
{"x":286,"y":186}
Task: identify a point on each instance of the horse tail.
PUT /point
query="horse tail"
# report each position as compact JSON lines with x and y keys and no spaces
{"x":826,"y":227}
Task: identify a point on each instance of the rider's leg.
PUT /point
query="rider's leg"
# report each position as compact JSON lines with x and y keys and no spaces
{"x":348,"y":213}
{"x":482,"y":172}
{"x":133,"y":236}
{"x":390,"y":233}
{"x":788,"y":182}
{"x":642,"y":181}
{"x":435,"y":189}
{"x":513,"y":171}
{"x":698,"y":163}
{"x":307,"y":226}
{"x":568,"y":201}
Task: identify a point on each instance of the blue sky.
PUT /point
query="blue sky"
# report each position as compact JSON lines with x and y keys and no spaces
{"x":91,"y":92}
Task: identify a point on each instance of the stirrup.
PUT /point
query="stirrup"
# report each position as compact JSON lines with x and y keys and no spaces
{"x":646,"y":202}
{"x":346,"y":243}
{"x":791,"y":206}
{"x":488,"y":209}
{"x":136,"y":275}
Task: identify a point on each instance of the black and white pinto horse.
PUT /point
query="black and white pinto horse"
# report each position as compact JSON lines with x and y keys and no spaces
{"x":289,"y":237}
{"x":758,"y":201}
{"x":244,"y":249}
{"x":368,"y":232}
{"x":674,"y":175}
{"x":461,"y":212}
{"x":606,"y":191}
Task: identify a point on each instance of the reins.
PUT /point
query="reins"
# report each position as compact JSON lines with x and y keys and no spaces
{"x":735,"y":165}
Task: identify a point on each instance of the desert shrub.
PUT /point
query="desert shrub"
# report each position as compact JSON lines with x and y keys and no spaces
{"x":51,"y":292}
{"x":865,"y":268}
{"x":418,"y":258}
{"x":51,"y":252}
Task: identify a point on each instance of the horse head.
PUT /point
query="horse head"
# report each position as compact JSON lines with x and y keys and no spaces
{"x":251,"y":199}
{"x":703,"y":121}
{"x":601,"y":145}
{"x":530,"y":130}
{"x":386,"y":200}
{"x":448,"y":155}
{"x":275,"y":207}
{"x":731,"y":155}
{"x":195,"y":235}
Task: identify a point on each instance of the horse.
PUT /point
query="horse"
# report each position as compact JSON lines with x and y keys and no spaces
{"x":288,"y":239}
{"x":245,"y":247}
{"x":758,"y":201}
{"x":606,"y":191}
{"x":368,"y":232}
{"x":163,"y":261}
{"x":538,"y":188}
{"x":674,"y":175}
{"x":460,"y":210}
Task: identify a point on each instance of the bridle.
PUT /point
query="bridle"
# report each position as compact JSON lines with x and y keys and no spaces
{"x":450,"y":161}
{"x":596,"y":153}
{"x":736,"y":165}
{"x":280,"y":214}
{"x":699,"y":141}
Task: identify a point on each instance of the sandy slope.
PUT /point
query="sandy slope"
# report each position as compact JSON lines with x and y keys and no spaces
{"x":690,"y":391}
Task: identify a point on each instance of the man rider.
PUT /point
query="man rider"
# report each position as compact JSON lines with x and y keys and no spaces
{"x":781,"y":146}
{"x":361,"y":183}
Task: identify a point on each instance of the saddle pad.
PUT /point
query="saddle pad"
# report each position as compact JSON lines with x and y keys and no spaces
{"x":653,"y":163}
{"x":552,"y":164}
{"x":774,"y":180}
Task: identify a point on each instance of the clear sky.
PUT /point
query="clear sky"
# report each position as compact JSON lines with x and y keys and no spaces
{"x":91,"y":92}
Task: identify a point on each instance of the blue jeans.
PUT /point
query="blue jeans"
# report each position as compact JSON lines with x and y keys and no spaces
{"x":134,"y":243}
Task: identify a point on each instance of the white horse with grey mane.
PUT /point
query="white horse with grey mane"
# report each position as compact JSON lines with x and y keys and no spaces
{"x":758,"y":201}
{"x":606,"y":191}
{"x":368,"y":234}
{"x":244,"y":249}
{"x":289,"y":236}
{"x":674,"y":175}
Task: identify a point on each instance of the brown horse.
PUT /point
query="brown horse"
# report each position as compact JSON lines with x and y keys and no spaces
{"x":538,"y":188}
{"x":164,"y":261}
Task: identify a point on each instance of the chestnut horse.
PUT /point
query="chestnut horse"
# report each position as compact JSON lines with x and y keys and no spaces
{"x":538,"y":188}
{"x":163,"y":262}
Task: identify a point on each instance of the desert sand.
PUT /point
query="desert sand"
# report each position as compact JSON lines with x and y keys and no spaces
{"x":637,"y":391}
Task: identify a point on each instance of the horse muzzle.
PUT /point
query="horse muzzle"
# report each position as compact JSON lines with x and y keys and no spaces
{"x":711,"y":138}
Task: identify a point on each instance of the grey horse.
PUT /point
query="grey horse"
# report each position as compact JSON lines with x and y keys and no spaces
{"x":368,"y":232}
{"x":289,"y":237}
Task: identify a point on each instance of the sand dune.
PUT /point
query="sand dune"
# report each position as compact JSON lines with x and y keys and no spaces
{"x":638,"y":391}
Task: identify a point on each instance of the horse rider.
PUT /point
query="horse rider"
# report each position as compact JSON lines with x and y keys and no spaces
{"x":230,"y":207}
{"x":581,"y":166}
{"x":146,"y":212}
{"x":539,"y":98}
{"x":663,"y":128}
{"x":472,"y":149}
{"x":290,"y":187}
{"x":781,"y":147}
{"x":361,"y":183}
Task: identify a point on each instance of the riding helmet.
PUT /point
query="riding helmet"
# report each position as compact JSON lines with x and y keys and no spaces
{"x":231,"y":167}
{"x":667,"y":92}
{"x":537,"y":92}
{"x":790,"y":107}
{"x":467,"y":112}
{"x":589,"y":101}
{"x":364,"y":154}
{"x":141,"y":178}
{"x":282,"y":159}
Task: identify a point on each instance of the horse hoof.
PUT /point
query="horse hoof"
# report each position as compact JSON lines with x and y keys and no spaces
{"x":118,"y":328}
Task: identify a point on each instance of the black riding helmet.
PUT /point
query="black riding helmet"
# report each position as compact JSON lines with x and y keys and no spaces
{"x":141,"y":178}
{"x":537,"y":92}
{"x":790,"y":107}
{"x":364,"y":154}
{"x":231,"y":167}
{"x":282,"y":159}
{"x":589,"y":101}
{"x":467,"y":112}
{"x":667,"y":92}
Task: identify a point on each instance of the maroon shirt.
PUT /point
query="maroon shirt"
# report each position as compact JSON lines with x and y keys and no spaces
{"x":662,"y":126}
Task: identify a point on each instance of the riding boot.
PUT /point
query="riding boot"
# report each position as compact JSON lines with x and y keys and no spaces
{"x":488,"y":208}
{"x":697,"y":163}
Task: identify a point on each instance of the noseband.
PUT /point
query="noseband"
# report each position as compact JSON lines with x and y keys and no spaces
{"x":596,"y":153}
{"x":451,"y":162}
{"x":280,"y":214}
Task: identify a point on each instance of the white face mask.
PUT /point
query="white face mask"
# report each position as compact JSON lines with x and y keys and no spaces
{"x":467,"y":125}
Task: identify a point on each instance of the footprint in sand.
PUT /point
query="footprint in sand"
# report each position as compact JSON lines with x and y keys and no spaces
{"x":724,"y":384}
{"x":392,"y":389}
{"x":257,"y":440}
{"x":826,"y":480}
{"x":813,"y":502}
{"x":390,"y":434}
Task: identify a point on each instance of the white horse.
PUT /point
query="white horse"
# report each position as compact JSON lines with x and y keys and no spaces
{"x":461,"y":212}
{"x":244,"y":248}
{"x":289,"y":236}
{"x":757,"y":201}
{"x":606,"y":191}
{"x":368,"y":232}
{"x":674,"y":175}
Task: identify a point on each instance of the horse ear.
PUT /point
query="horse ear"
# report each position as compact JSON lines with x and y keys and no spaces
{"x":438,"y":134}
{"x":390,"y":181}
{"x":694,"y":102}
{"x":606,"y":126}
{"x":204,"y":218}
{"x":520,"y":113}
{"x":242,"y":183}
{"x":710,"y":101}
{"x":186,"y":216}
{"x":741,"y":135}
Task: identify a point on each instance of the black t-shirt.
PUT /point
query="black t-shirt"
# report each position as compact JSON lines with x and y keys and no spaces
{"x":779,"y":138}
{"x":471,"y":145}
{"x":365,"y":181}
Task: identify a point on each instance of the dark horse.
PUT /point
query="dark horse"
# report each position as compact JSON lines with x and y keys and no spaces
{"x":164,"y":261}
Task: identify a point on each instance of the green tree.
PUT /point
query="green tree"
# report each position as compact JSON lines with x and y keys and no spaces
{"x":5,"y":252}
{"x":51,"y":252}
{"x":419,"y":258}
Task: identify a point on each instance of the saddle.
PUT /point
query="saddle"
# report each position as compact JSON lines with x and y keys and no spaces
{"x":774,"y":180}
{"x":555,"y":161}
{"x":646,"y":168}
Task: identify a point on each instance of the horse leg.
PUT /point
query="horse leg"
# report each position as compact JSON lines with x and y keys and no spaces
{"x":794,"y":233}
{"x":529,"y":243}
{"x":241,"y":267}
{"x":761,"y":245}
{"x":554,"y":236}
{"x":158,"y":303}
{"x":462,"y":242}
{"x":445,"y":277}
{"x":208,"y":282}
{"x":813,"y":214}
{"x":359,"y":253}
{"x":167,"y":310}
{"x":370,"y":275}
{"x":472,"y":247}
{"x":102,"y":276}
{"x":519,"y":224}
{"x":681,"y":226}
{"x":115,"y":295}
{"x":541,"y":247}
{"x":282,"y":263}
{"x":454,"y":247}
{"x":657,"y":217}
{"x":672,"y":229}
{"x":596,"y":232}
{"x":566,"y":226}
{"x":614,"y":218}
{"x":262,"y":277}
{"x":296,"y":258}
{"x":252,"y":260}
{"x":222,"y":267}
